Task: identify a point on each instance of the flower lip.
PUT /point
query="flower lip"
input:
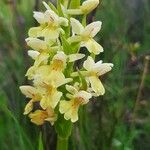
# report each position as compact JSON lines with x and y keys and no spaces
{"x":83,"y":96}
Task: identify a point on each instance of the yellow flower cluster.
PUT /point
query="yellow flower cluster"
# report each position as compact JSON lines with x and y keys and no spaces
{"x":56,"y":88}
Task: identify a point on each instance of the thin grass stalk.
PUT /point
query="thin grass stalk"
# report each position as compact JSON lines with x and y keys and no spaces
{"x":136,"y":106}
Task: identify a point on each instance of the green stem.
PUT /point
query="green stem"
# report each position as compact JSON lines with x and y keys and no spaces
{"x":62,"y":143}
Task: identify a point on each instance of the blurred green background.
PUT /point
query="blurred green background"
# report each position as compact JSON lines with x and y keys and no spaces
{"x":119,"y":120}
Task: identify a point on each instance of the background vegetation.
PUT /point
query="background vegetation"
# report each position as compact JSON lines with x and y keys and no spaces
{"x":119,"y":120}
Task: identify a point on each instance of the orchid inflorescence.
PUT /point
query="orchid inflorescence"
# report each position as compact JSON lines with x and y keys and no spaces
{"x":58,"y":87}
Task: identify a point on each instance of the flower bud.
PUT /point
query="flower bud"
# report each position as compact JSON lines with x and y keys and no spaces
{"x":89,"y":5}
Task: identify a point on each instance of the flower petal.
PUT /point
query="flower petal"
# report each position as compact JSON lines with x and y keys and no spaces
{"x":89,"y":63}
{"x":104,"y":68}
{"x":28,"y":91}
{"x":28,"y":107}
{"x":74,"y":115}
{"x":92,"y":29}
{"x":33,"y":54}
{"x":77,"y":27}
{"x":44,"y":103}
{"x":35,"y":31}
{"x":74,"y":57}
{"x":85,"y":95}
{"x":92,"y":46}
{"x":71,"y":89}
{"x":68,"y":114}
{"x":41,"y":59}
{"x":64,"y":106}
{"x":52,"y":117}
{"x":50,"y":34}
{"x":51,"y":16}
{"x":96,"y":85}
{"x":36,"y":44}
{"x":58,"y":78}
{"x":60,"y":56}
{"x":63,"y":21}
{"x":55,"y":99}
{"x":38,"y":117}
{"x":30,"y":72}
{"x":39,"y":17}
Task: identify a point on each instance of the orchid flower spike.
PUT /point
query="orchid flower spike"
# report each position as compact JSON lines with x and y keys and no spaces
{"x":56,"y":89}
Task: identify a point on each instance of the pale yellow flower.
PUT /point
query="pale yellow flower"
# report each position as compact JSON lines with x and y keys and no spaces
{"x":32,"y":93}
{"x":59,"y":61}
{"x":51,"y":97}
{"x":86,"y":35}
{"x":86,"y":7}
{"x":94,"y":70}
{"x":49,"y":80}
{"x":36,"y":44}
{"x":40,"y":116}
{"x":50,"y":24}
{"x":77,"y":98}
{"x":40,"y":59}
{"x":89,"y":5}
{"x":41,"y":45}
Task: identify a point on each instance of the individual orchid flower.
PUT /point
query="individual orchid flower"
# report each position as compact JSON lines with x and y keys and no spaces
{"x":51,"y":96}
{"x":40,"y":116}
{"x":86,"y":35}
{"x":60,"y":59}
{"x":58,"y":62}
{"x":50,"y":24}
{"x":77,"y":99}
{"x":86,"y":7}
{"x":44,"y":74}
{"x":40,"y":59}
{"x":94,"y":70}
{"x":48,"y":81}
{"x":41,"y":45}
{"x":32,"y":93}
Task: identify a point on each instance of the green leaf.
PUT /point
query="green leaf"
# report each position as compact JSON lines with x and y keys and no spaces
{"x":83,"y":81}
{"x":60,"y":1}
{"x":63,"y":127}
{"x":53,"y":7}
{"x":69,"y":48}
{"x":59,"y":8}
{"x":74,"y":4}
{"x":66,"y":46}
{"x":75,"y":47}
{"x":84,"y":21}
